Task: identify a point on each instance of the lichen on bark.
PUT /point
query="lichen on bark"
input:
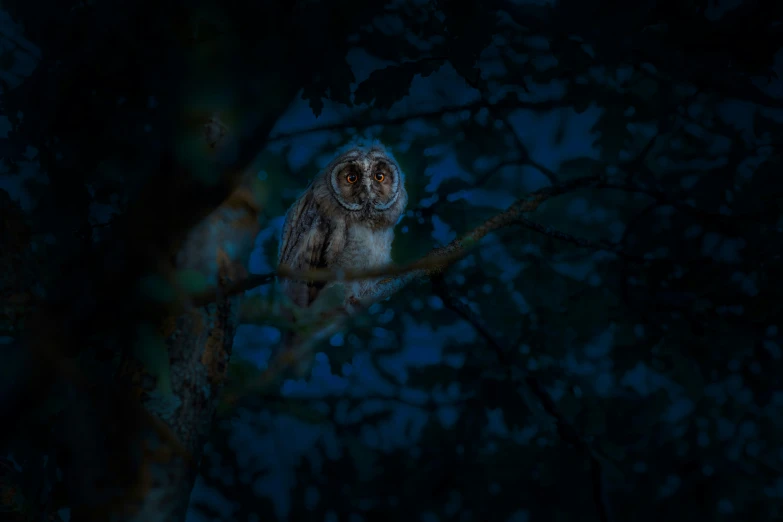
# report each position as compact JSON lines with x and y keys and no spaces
{"x":198,"y":344}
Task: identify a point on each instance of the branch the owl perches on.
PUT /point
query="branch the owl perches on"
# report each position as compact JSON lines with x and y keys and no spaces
{"x":344,"y":221}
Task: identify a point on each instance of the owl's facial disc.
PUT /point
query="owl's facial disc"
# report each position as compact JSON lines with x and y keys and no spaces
{"x":365,"y":182}
{"x":383,"y":181}
{"x":348,"y":185}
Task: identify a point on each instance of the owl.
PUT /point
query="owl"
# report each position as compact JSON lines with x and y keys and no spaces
{"x":344,"y":220}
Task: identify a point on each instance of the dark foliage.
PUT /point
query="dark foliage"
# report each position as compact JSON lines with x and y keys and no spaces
{"x":609,"y":352}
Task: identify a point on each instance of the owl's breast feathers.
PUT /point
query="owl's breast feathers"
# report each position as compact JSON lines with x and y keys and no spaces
{"x":332,"y":227}
{"x":366,"y":247}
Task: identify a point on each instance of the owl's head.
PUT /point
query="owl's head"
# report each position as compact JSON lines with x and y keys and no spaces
{"x":367,"y":183}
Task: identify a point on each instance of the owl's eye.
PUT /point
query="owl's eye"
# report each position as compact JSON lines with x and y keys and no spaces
{"x":351,"y":178}
{"x":379,"y":176}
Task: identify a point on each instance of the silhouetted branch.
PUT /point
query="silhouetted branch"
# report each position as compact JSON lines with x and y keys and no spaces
{"x":252,"y":281}
{"x":565,"y":430}
{"x":274,"y":396}
{"x":577,"y":241}
{"x":439,"y":258}
{"x":363,"y":120}
{"x":665,"y":198}
{"x":481,"y":180}
{"x":526,"y":158}
{"x":395,"y":277}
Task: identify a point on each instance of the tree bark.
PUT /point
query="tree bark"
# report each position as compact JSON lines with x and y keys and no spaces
{"x":199,"y":347}
{"x":198,"y":343}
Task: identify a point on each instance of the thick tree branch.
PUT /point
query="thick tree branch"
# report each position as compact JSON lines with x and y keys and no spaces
{"x":198,"y":345}
{"x":252,"y":281}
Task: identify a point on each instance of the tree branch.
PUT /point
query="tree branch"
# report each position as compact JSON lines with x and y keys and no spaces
{"x":396,"y":278}
{"x":578,"y":241}
{"x":252,"y":281}
{"x":275,"y":397}
{"x":565,"y":430}
{"x":363,"y":120}
{"x":439,"y":258}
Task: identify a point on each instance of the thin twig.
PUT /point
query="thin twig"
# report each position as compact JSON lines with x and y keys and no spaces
{"x":274,"y":396}
{"x":578,"y":241}
{"x":242,"y":285}
{"x":362,"y":120}
{"x":565,"y":430}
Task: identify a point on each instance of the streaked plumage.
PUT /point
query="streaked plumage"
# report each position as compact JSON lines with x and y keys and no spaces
{"x":344,"y":219}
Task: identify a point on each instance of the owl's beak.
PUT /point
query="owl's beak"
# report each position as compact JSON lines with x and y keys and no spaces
{"x":366,"y":197}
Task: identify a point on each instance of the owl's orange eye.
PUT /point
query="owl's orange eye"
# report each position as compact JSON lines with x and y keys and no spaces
{"x":351,"y":178}
{"x":379,"y":176}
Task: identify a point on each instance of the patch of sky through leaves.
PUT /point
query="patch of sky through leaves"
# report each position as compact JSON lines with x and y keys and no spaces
{"x":538,"y":130}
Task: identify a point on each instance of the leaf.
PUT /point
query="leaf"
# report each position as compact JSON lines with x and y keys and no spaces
{"x":339,"y":356}
{"x":241,"y":372}
{"x":595,"y":422}
{"x":646,"y":88}
{"x":363,"y":457}
{"x":192,"y":281}
{"x":7,"y":59}
{"x":151,"y":350}
{"x":375,"y":418}
{"x":386,"y":86}
{"x":315,"y":96}
{"x":607,"y":454}
{"x":156,"y":288}
{"x":339,"y":78}
{"x":331,"y":298}
{"x":429,"y":376}
{"x":256,"y":311}
{"x":299,"y":409}
{"x":614,"y":134}
{"x":53,"y":405}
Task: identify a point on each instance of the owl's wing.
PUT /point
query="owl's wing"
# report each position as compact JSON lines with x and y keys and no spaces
{"x":303,"y":247}
{"x":293,"y":226}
